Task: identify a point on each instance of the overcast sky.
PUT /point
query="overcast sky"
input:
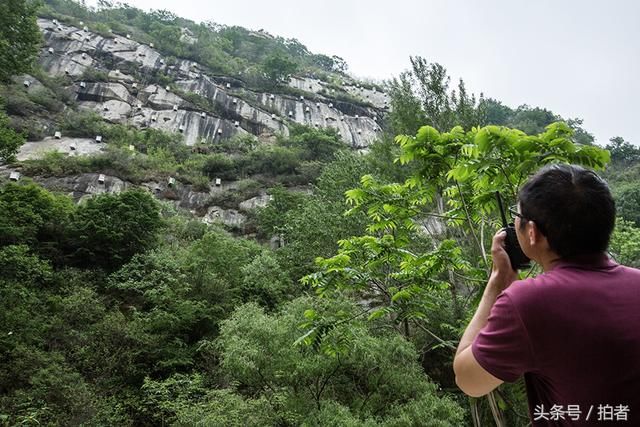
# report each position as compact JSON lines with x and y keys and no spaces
{"x":577,"y":58}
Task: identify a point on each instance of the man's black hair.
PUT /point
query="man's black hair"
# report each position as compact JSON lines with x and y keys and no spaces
{"x":572,"y":207}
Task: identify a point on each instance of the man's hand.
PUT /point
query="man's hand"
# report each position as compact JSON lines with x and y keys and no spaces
{"x":471,"y":377}
{"x":502,"y":274}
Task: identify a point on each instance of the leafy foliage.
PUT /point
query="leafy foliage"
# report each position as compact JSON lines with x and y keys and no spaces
{"x":110,"y":229}
{"x":122,"y":311}
{"x":39,"y":219}
{"x":625,"y":243}
{"x":402,"y":283}
{"x":257,"y":354}
{"x":19,"y":37}
{"x":10,"y":140}
{"x":422,"y":96}
{"x":278,"y":69}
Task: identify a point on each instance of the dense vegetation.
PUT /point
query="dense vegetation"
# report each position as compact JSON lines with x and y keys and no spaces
{"x":121,"y":310}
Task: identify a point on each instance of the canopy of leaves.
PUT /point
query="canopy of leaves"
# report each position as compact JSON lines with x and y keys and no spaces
{"x":10,"y":140}
{"x":110,"y":229}
{"x":278,"y":69}
{"x":19,"y":37}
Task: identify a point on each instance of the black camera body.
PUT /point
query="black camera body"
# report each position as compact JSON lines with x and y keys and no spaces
{"x":519,"y":261}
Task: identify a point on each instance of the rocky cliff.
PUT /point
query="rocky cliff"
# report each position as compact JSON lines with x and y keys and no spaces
{"x":130,"y":96}
{"x":125,"y":82}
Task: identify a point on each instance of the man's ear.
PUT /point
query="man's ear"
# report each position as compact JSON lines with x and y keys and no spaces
{"x":536,"y":238}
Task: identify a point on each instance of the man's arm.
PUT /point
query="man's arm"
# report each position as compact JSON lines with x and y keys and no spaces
{"x":472,"y":378}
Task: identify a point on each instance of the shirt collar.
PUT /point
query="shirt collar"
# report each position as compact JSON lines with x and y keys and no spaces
{"x":588,"y":261}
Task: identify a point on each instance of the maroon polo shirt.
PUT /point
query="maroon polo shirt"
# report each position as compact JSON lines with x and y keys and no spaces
{"x":574,"y":333}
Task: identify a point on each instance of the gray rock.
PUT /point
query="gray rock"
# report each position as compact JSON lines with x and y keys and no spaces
{"x":37,"y":149}
{"x":255,"y":202}
{"x":228,"y":217}
{"x":81,"y":187}
{"x":102,"y":92}
{"x":70,"y":43}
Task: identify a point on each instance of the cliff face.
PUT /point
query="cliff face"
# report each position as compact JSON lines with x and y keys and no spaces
{"x":138,"y":100}
{"x":125,"y":82}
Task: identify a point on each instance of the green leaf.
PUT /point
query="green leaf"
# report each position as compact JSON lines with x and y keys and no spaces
{"x":401,"y":295}
{"x":377,"y":314}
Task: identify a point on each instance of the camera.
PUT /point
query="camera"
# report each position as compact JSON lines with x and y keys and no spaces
{"x":519,"y":260}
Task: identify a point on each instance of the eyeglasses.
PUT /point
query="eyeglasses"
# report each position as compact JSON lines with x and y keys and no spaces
{"x":513,"y":210}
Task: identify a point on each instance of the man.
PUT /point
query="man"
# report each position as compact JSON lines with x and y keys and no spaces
{"x":573,"y":331}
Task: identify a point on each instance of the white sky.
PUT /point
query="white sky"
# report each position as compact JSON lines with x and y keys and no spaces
{"x":576,"y":58}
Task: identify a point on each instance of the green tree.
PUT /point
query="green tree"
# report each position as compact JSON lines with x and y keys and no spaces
{"x":406,"y":115}
{"x":187,"y":400}
{"x":422,"y":95}
{"x":622,"y":152}
{"x":627,"y":197}
{"x":39,"y":219}
{"x":625,"y":243}
{"x":355,"y":368}
{"x":107,"y":230}
{"x":278,"y":68}
{"x":19,"y":37}
{"x":407,"y":285}
{"x":316,"y":144}
{"x":266,"y":283}
{"x":10,"y":140}
{"x":311,"y":229}
{"x":169,"y":311}
{"x":270,"y":218}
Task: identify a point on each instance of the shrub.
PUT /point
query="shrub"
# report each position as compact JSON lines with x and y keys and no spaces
{"x":273,"y":161}
{"x":231,"y":198}
{"x":38,"y":218}
{"x":10,"y":140}
{"x":86,"y":124}
{"x":220,"y":166}
{"x":91,"y":74}
{"x":109,"y":229}
{"x":46,"y":99}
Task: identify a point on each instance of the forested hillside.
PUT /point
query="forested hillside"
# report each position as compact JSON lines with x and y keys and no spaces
{"x":202,"y":224}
